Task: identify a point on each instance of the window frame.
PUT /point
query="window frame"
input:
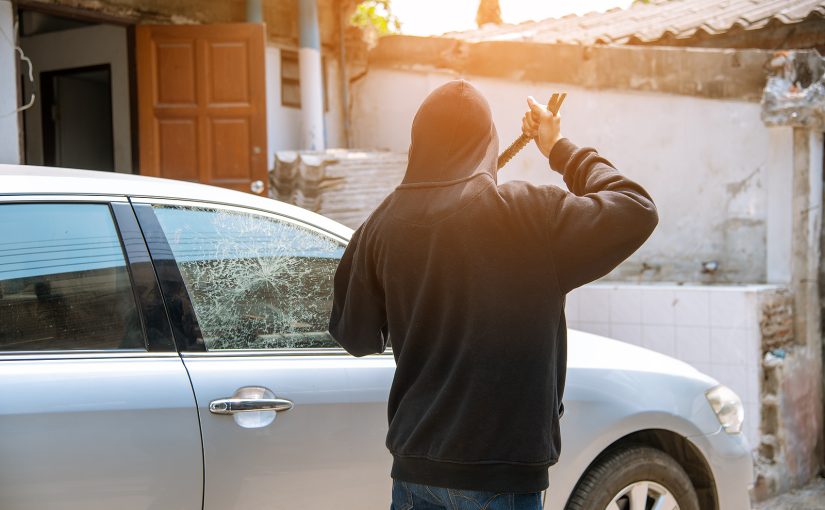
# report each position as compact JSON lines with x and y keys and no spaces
{"x":293,"y":55}
{"x":140,"y":280}
{"x":170,"y":276}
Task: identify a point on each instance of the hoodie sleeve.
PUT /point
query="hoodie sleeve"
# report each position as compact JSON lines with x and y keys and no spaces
{"x":358,"y":320}
{"x":602,"y":220}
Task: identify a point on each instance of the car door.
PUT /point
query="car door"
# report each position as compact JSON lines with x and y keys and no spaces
{"x":97,"y":410}
{"x":289,"y":420}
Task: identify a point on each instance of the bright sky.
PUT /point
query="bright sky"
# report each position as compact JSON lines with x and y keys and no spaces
{"x":431,"y":17}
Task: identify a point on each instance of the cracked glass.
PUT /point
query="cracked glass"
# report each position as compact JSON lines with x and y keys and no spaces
{"x":256,"y":282}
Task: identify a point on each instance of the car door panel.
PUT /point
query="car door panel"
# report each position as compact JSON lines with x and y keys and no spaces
{"x":260,"y":289}
{"x":326,"y":452}
{"x":98,"y":434}
{"x":98,"y":411}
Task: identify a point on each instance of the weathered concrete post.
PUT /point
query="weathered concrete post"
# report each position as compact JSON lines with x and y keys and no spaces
{"x":312,"y":92}
{"x":793,"y":439}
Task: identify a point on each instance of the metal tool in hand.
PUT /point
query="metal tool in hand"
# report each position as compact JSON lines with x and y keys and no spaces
{"x":553,"y":106}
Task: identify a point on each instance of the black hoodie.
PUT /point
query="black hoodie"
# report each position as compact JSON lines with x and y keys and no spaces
{"x":468,"y":278}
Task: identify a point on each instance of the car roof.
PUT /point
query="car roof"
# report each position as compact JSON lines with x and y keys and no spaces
{"x":41,"y":180}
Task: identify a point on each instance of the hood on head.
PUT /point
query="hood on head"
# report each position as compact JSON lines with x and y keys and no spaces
{"x":453,"y":136}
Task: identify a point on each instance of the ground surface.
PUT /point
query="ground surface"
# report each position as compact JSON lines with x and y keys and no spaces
{"x":810,"y":497}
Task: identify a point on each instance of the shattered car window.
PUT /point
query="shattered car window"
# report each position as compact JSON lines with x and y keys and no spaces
{"x":256,"y":282}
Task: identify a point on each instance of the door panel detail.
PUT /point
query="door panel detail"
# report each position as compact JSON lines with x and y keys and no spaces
{"x":334,"y":436}
{"x":175,"y":85}
{"x":202,"y":103}
{"x":230,"y":152}
{"x":253,"y":406}
{"x":228,"y":59}
{"x":177,"y":141}
{"x":101,"y":433}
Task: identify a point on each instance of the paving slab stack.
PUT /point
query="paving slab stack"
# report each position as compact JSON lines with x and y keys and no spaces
{"x":345,"y":185}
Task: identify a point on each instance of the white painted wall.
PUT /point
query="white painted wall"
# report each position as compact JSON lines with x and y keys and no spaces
{"x":9,"y":134}
{"x":284,"y":123}
{"x":81,"y":47}
{"x":707,"y":163}
{"x":714,"y":328}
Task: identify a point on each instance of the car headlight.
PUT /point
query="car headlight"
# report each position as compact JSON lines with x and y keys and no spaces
{"x":728,"y":408}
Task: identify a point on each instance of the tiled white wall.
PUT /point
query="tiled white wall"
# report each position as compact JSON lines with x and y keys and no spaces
{"x":714,"y":328}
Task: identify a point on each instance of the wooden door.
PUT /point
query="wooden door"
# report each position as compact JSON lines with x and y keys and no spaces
{"x":202,"y":104}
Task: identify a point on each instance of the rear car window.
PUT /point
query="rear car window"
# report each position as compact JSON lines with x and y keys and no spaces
{"x":256,"y":282}
{"x":64,"y":284}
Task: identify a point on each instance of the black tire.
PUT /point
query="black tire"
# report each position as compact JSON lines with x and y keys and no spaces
{"x":622,"y":468}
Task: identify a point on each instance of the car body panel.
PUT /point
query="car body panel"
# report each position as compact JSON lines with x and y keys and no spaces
{"x":98,"y":433}
{"x":326,"y":452}
{"x":603,"y":406}
{"x":731,"y":462}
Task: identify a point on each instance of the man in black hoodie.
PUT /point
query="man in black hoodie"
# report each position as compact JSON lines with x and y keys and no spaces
{"x":468,"y":280}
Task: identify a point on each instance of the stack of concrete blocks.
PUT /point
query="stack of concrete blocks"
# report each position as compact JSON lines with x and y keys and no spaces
{"x":345,"y":185}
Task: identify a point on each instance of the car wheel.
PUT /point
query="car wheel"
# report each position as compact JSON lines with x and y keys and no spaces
{"x":635,"y":478}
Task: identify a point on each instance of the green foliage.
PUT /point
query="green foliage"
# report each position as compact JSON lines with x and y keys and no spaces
{"x":376,"y":17}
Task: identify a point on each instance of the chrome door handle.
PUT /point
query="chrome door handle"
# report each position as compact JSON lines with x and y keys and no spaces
{"x":245,"y":405}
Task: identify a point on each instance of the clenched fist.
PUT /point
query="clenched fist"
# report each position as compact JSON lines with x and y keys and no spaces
{"x":540,"y":123}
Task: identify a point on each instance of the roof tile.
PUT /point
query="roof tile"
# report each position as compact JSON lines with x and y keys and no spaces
{"x":679,"y":19}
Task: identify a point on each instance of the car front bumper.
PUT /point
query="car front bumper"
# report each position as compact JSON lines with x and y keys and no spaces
{"x":731,"y":462}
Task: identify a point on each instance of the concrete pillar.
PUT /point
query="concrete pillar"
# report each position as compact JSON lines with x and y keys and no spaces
{"x":779,"y":217}
{"x":9,"y":132}
{"x":801,"y":399}
{"x":312,"y":91}
{"x":254,"y":11}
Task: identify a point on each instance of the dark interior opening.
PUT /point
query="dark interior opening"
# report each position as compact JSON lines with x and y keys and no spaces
{"x":77,"y":118}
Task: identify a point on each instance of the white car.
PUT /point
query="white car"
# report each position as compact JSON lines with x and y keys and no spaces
{"x":163,"y":345}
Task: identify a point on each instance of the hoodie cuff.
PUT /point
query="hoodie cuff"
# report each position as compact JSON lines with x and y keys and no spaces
{"x":561,"y":153}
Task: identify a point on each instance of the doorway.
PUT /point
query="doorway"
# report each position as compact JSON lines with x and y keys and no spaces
{"x":77,"y":118}
{"x":183,"y":102}
{"x":82,"y":116}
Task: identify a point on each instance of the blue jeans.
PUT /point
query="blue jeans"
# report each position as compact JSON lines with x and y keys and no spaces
{"x":412,"y":496}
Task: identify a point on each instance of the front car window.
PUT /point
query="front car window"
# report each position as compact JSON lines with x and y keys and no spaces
{"x":256,"y":282}
{"x":63,"y":280}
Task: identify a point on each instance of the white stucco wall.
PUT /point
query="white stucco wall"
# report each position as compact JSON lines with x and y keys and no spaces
{"x":284,"y":122}
{"x":710,"y":165}
{"x":82,"y":47}
{"x":9,"y":134}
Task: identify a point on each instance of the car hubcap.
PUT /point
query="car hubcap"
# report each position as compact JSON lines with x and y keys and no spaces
{"x":643,"y":495}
